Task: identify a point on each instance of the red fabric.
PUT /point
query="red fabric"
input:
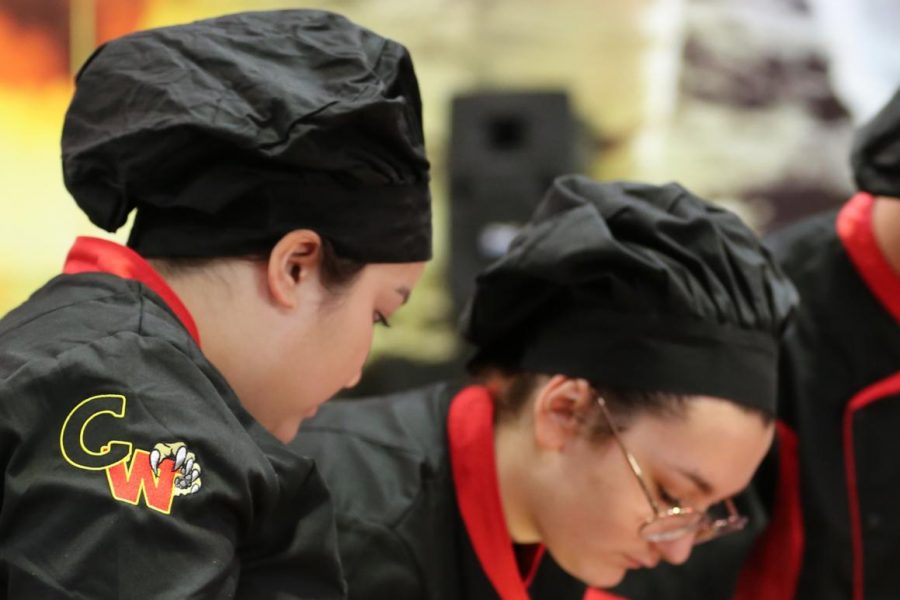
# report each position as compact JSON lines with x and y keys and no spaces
{"x":470,"y":428}
{"x":95,"y":255}
{"x":873,"y":393}
{"x":773,"y":568}
{"x":592,"y":594}
{"x":854,"y":227}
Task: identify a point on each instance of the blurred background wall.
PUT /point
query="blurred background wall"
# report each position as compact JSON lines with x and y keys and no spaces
{"x":749,"y":103}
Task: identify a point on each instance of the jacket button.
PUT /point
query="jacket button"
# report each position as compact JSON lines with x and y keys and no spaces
{"x":873,"y":521}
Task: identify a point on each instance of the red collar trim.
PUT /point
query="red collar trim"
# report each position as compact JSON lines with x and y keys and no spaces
{"x":93,"y":255}
{"x":470,"y":428}
{"x":854,"y":227}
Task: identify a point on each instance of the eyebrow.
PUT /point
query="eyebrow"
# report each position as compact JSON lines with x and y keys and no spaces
{"x":704,"y":486}
{"x":404,"y":293}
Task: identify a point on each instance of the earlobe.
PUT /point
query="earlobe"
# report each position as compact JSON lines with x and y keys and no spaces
{"x":294,"y":260}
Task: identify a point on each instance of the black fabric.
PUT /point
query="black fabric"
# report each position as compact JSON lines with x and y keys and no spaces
{"x":229,"y":132}
{"x":875,"y":157}
{"x":401,"y":536}
{"x":635,"y":286}
{"x":843,"y":341}
{"x":93,"y":366}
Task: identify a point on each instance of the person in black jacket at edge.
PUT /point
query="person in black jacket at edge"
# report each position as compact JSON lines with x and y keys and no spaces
{"x":626,"y":353}
{"x":830,"y":486}
{"x":276,"y":162}
{"x":835,"y":490}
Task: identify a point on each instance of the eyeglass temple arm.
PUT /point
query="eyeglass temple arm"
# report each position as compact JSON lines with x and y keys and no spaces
{"x":632,"y":462}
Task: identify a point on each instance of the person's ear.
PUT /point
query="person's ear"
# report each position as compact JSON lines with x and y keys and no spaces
{"x":560,"y":409}
{"x":294,"y":260}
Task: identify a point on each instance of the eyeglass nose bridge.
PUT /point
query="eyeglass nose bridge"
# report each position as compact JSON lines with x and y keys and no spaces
{"x":672,"y":524}
{"x":687,"y":521}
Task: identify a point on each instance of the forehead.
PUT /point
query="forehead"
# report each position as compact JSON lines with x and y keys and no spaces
{"x":394,"y":281}
{"x":392,"y":272}
{"x":714,"y":439}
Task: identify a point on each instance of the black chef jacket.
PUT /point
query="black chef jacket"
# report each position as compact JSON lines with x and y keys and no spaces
{"x":832,"y":483}
{"x":836,"y":533}
{"x":417,"y":501}
{"x":130,"y":468}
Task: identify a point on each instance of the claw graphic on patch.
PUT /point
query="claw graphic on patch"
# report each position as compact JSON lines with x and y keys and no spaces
{"x":184,"y":463}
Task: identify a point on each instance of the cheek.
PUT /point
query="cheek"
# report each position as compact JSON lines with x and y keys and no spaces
{"x":320,"y":360}
{"x":346,"y":339}
{"x":593,"y":523}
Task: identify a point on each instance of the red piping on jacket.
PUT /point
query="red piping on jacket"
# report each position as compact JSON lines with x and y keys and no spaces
{"x":873,"y":393}
{"x":854,"y":227}
{"x":773,"y":568}
{"x":95,"y":255}
{"x":764,"y":575}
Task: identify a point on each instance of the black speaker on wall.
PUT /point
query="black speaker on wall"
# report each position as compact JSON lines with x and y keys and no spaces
{"x":505,"y":149}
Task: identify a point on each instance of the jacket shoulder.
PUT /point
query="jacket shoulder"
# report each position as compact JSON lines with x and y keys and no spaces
{"x":73,"y":311}
{"x":386,"y":464}
{"x":801,"y":246}
{"x":377,"y":453}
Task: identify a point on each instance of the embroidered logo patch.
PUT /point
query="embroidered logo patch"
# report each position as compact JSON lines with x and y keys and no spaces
{"x":168,"y":470}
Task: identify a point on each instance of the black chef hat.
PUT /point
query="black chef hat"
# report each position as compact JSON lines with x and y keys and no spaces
{"x":227,"y":133}
{"x":876,"y":152}
{"x":639,"y":287}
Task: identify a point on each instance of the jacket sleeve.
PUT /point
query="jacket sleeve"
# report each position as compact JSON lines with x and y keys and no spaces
{"x":129,"y":475}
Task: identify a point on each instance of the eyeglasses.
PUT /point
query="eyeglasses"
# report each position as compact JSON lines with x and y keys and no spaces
{"x":678,"y":521}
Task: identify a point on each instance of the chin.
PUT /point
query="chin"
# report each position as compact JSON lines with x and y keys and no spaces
{"x":286,"y":432}
{"x":598,"y":573}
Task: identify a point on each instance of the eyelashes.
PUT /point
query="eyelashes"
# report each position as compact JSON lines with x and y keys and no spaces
{"x":668,"y":498}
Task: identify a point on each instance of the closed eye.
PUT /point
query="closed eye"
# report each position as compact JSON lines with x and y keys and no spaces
{"x":668,"y":498}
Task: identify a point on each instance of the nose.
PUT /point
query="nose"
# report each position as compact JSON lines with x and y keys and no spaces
{"x":677,"y":551}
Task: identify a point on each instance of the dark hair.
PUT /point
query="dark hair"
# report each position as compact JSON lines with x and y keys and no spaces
{"x":623,"y":404}
{"x":337,"y":271}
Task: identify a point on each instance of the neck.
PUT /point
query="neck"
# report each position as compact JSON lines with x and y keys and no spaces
{"x":514,"y":458}
{"x":886,"y":227}
{"x":200,"y":292}
{"x":222,"y":299}
{"x":208,"y":304}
